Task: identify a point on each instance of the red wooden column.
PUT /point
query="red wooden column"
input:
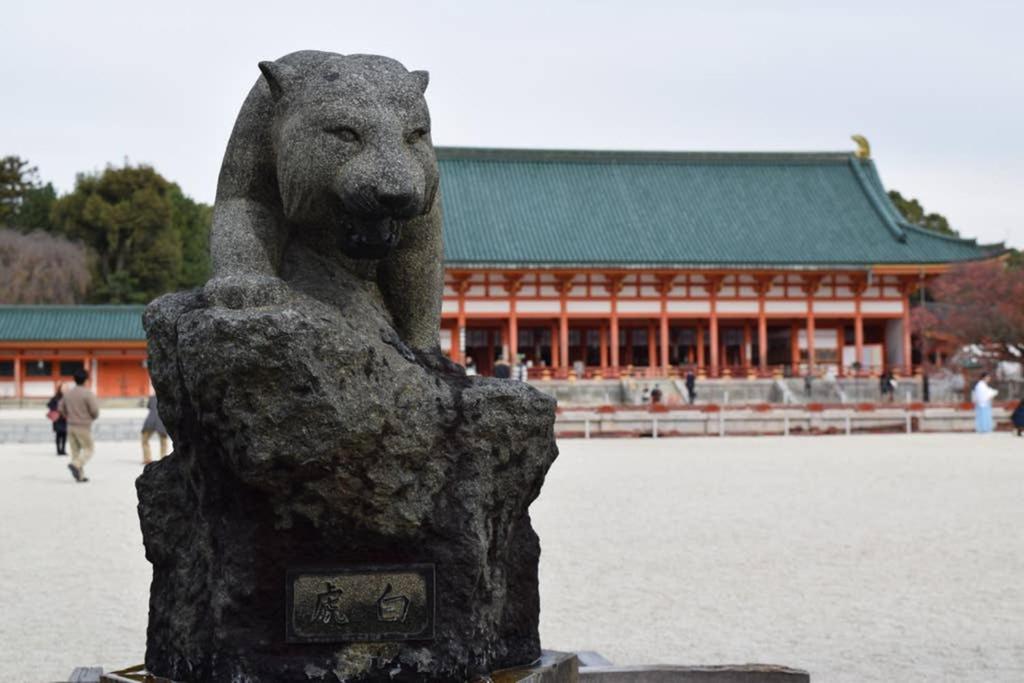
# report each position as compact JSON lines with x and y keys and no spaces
{"x":713,"y":286}
{"x":665,"y":286}
{"x":461,"y":285}
{"x":764,"y":283}
{"x":858,"y":337}
{"x":613,"y":283}
{"x":810,"y":337}
{"x":19,"y":376}
{"x":810,"y":285}
{"x":513,"y":283}
{"x":564,"y":285}
{"x":859,"y":285}
{"x":794,"y":346}
{"x":513,"y":335}
{"x":563,"y":340}
{"x":713,"y":324}
{"x":555,"y":345}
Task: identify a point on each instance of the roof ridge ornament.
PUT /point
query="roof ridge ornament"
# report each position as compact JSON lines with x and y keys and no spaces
{"x":863,"y":146}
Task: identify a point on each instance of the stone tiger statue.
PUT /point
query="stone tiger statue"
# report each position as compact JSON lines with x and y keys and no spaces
{"x":337,"y":149}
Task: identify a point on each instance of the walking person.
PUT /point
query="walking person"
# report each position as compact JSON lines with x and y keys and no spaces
{"x":1018,"y":417}
{"x":60,"y":423}
{"x":153,"y":425}
{"x":887,"y":385}
{"x":691,"y":387}
{"x":982,"y":397}
{"x":80,"y":408}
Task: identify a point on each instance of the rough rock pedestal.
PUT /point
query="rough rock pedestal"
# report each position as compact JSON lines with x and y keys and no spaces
{"x":343,"y":503}
{"x":306,"y":434}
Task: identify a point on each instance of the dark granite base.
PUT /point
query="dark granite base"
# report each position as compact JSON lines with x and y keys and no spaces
{"x":562,"y":667}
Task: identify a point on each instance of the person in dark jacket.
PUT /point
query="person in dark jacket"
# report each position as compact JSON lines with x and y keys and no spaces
{"x":1018,"y":417}
{"x":502,"y":370}
{"x":691,"y":386}
{"x":60,"y":423}
{"x":153,"y":424}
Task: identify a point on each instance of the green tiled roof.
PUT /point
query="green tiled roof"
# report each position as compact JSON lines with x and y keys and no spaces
{"x":566,"y":208}
{"x":71,"y":323}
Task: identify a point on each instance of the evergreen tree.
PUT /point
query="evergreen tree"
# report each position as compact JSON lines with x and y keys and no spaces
{"x":913,"y":212}
{"x":148,"y":238}
{"x":16,"y":179}
{"x":34,"y":212}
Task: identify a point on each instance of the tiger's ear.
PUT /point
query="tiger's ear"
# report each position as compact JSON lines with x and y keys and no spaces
{"x":280,"y":77}
{"x":422,"y":79}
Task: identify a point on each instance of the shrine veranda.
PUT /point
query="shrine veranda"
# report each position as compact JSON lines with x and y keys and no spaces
{"x":605,"y":264}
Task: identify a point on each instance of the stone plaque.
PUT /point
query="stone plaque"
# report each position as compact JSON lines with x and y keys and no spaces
{"x":365,"y":603}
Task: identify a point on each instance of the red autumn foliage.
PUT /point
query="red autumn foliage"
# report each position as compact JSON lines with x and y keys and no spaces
{"x":976,"y":303}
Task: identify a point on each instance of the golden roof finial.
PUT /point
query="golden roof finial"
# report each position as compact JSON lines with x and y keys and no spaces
{"x":863,"y":147}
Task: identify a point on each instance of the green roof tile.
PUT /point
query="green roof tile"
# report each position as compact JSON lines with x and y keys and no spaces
{"x":567,"y":208}
{"x":71,"y":323}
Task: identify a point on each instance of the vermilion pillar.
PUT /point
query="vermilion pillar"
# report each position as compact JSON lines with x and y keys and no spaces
{"x":563,"y":338}
{"x":513,"y":336}
{"x":810,"y":338}
{"x":556,"y":362}
{"x":762,"y":337}
{"x":513,"y":283}
{"x":764,"y":283}
{"x":663,"y":344}
{"x":458,"y":354}
{"x":613,"y":283}
{"x":713,"y":325}
{"x":614,"y":334}
{"x":19,"y":377}
{"x":794,"y":347}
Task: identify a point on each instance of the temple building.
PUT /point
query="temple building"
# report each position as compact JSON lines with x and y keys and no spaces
{"x":591,"y":264}
{"x":42,"y":346}
{"x":605,"y":264}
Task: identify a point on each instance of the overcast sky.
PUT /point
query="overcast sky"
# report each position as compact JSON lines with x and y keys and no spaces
{"x":938,"y":88}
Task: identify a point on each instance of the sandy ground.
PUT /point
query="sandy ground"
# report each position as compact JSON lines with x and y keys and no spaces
{"x":864,"y":558}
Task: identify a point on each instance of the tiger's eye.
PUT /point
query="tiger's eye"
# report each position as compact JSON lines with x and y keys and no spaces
{"x":344,"y":134}
{"x":417,"y":135}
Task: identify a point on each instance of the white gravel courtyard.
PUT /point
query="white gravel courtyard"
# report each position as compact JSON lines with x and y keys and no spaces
{"x":863,"y":558}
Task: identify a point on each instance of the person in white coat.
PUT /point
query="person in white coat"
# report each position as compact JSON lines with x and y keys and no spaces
{"x":982,"y":397}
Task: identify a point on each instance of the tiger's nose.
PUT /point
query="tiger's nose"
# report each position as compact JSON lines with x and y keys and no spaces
{"x":397,"y":202}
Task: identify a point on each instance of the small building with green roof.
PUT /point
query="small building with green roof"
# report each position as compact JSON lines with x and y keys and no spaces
{"x":42,"y":347}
